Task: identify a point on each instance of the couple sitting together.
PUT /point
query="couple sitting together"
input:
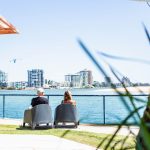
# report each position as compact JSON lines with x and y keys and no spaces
{"x":41,"y":114}
{"x":40,"y":99}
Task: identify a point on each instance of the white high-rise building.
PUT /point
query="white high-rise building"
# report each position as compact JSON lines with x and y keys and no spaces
{"x":86,"y":77}
{"x":81,"y":79}
{"x":73,"y":80}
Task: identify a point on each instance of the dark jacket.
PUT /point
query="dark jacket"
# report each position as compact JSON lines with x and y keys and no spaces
{"x":39,"y":100}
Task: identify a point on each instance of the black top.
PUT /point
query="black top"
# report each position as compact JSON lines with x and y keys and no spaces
{"x":39,"y":100}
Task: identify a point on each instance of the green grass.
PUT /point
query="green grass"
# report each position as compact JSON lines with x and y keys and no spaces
{"x":88,"y":138}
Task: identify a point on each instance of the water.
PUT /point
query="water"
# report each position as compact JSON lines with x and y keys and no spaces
{"x":90,"y":108}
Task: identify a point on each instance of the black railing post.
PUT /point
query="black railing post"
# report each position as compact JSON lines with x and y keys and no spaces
{"x":104,"y":108}
{"x":48,"y":98}
{"x":3,"y":106}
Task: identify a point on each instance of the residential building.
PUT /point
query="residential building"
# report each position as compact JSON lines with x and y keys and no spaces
{"x":126,"y":81}
{"x":73,"y":80}
{"x":3,"y":79}
{"x":18,"y":84}
{"x":86,"y":77}
{"x":68,"y":78}
{"x":96,"y":84}
{"x":107,"y":81}
{"x":51,"y":84}
{"x":83,"y":78}
{"x":35,"y":78}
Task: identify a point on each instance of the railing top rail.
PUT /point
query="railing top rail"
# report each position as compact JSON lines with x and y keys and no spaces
{"x":72,"y":95}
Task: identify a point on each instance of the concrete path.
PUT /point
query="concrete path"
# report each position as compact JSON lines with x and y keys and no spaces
{"x":48,"y":142}
{"x":39,"y":142}
{"x":83,"y":127}
{"x":109,"y":129}
{"x":11,"y":121}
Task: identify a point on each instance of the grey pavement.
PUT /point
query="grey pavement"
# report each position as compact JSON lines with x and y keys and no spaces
{"x":83,"y":127}
{"x":109,"y":129}
{"x":48,"y":142}
{"x":39,"y":142}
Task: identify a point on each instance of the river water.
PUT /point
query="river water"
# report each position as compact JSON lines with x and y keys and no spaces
{"x":90,"y":108}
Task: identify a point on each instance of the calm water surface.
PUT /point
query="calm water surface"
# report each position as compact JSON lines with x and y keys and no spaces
{"x":90,"y":108}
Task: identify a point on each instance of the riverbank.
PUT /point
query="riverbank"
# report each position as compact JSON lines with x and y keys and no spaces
{"x":145,"y":89}
{"x":136,"y":89}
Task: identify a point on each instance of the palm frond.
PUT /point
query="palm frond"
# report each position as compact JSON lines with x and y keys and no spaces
{"x":147,"y":33}
{"x":119,"y":127}
{"x":124,"y":58}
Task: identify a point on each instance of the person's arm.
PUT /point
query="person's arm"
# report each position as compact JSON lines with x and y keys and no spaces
{"x":32,"y":102}
{"x":47,"y":102}
{"x":73,"y":102}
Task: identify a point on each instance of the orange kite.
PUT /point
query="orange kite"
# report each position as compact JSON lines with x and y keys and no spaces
{"x":6,"y":27}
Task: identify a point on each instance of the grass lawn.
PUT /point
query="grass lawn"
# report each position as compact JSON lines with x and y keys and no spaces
{"x":88,"y":138}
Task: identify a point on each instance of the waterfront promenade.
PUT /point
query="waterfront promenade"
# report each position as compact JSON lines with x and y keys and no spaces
{"x":39,"y":142}
{"x":36,"y":142}
{"x":46,"y":142}
{"x":106,"y":129}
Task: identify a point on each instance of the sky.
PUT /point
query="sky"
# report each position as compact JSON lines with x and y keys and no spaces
{"x":49,"y":29}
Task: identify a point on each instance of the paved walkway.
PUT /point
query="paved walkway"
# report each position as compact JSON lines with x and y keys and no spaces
{"x":85,"y":127}
{"x":109,"y":129}
{"x":39,"y":142}
{"x":48,"y":142}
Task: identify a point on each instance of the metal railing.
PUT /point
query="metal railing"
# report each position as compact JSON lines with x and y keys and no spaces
{"x":56,"y":95}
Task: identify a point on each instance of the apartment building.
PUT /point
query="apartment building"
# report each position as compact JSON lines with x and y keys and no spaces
{"x":3,"y":79}
{"x":35,"y":78}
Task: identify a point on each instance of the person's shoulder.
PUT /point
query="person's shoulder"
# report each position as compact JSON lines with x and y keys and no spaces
{"x":34,"y":98}
{"x":73,"y":102}
{"x":44,"y":98}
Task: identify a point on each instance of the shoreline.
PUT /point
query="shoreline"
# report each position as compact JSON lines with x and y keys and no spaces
{"x":139,"y":89}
